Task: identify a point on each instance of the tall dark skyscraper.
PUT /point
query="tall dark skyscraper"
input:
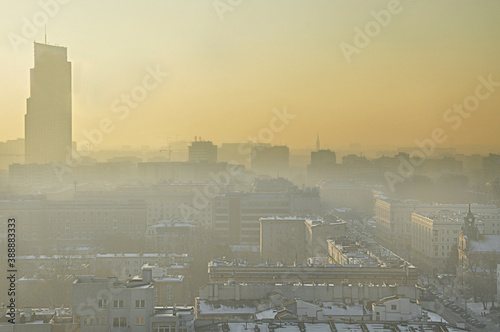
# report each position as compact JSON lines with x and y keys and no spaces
{"x":47,"y":123}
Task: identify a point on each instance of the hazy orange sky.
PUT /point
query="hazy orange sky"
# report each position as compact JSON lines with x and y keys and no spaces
{"x":227,"y":75}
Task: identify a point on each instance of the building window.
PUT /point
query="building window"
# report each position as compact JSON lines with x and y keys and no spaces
{"x":139,"y":320}
{"x":118,"y":304}
{"x":120,"y":321}
{"x":140,"y":303}
{"x":103,"y":303}
{"x":394,"y":307}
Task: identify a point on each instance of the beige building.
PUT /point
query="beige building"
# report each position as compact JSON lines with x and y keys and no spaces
{"x":433,"y":237}
{"x":394,"y":219}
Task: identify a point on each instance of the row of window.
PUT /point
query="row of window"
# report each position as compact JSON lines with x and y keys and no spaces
{"x":103,"y":303}
{"x":122,"y":321}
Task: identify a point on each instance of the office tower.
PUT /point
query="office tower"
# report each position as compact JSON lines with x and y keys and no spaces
{"x":270,"y":160}
{"x":202,"y":151}
{"x":48,"y":117}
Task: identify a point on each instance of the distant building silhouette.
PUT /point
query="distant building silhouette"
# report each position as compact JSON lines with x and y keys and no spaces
{"x":202,"y":151}
{"x":47,"y":124}
{"x":271,"y":160}
{"x":323,"y":158}
{"x":323,"y":165}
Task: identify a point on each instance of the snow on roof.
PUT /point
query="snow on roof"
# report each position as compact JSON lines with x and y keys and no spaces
{"x":419,"y":327}
{"x":340,"y":309}
{"x":348,"y":327}
{"x":318,"y":327}
{"x":377,"y":328}
{"x":266,"y":314}
{"x":177,"y":267}
{"x":131,"y":285}
{"x":215,"y":308}
{"x":169,"y":279}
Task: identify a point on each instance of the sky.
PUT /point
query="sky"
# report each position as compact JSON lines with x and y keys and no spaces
{"x":234,"y":64}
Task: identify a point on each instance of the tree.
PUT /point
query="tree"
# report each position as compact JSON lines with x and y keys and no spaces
{"x":452,"y":261}
{"x":481,"y":277}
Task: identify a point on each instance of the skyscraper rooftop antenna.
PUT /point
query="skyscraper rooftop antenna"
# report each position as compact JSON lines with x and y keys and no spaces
{"x":45,"y":34}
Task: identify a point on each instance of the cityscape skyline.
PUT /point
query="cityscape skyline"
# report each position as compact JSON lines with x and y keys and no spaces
{"x":233,"y":165}
{"x":300,"y":64}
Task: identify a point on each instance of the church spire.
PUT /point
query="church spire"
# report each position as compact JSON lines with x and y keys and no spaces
{"x":470,"y":228}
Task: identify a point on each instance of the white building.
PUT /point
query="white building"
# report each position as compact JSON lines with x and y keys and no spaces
{"x":113,"y":305}
{"x":395,"y":308}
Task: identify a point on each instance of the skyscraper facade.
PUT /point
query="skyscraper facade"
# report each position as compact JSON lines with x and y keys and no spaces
{"x":47,"y":123}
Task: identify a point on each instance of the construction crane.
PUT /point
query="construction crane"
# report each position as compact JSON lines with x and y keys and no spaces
{"x":169,"y":152}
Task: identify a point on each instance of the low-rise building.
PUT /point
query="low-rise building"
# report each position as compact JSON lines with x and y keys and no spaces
{"x":396,"y":309}
{"x":220,"y":272}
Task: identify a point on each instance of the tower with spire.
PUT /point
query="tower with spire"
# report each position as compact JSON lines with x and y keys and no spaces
{"x":470,"y":229}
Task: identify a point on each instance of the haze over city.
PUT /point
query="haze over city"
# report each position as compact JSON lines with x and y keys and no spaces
{"x":232,"y":165}
{"x":227,"y":75}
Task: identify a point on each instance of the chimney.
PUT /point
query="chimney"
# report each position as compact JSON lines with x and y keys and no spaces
{"x":147,"y":273}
